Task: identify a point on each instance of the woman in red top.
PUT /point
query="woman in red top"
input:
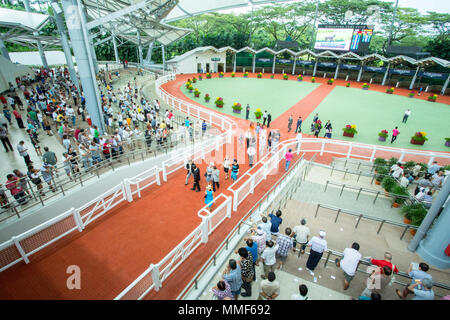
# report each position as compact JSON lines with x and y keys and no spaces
{"x":18,"y":119}
{"x":16,"y":191}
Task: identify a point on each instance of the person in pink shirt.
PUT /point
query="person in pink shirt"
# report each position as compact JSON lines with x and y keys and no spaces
{"x":288,"y":156}
{"x":395,"y":133}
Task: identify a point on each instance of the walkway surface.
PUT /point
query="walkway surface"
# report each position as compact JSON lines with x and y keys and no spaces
{"x":117,"y":248}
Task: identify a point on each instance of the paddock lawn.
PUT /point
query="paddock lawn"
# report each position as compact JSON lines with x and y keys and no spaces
{"x":373,"y":111}
{"x":275,"y":96}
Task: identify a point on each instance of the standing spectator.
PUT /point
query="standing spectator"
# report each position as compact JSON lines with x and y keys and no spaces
{"x":188,"y":171}
{"x":269,"y":120}
{"x":301,"y":235}
{"x":208,"y":174}
{"x":16,"y":191}
{"x":284,"y":245}
{"x":270,"y":288}
{"x":226,"y":166}
{"x":209,"y":197}
{"x":349,"y":263}
{"x":232,"y":275}
{"x":299,"y":125}
{"x":247,"y":112}
{"x":433,"y":168}
{"x":23,"y":152}
{"x":251,"y":151}
{"x":215,"y":178}
{"x":406,"y":115}
{"x":222,"y":290}
{"x":204,"y":126}
{"x":266,"y":226}
{"x":268,"y":258}
{"x":418,"y":274}
{"x":46,"y":172}
{"x":290,"y":121}
{"x":252,"y":247}
{"x":288,"y":157}
{"x":303,"y":290}
{"x":437,"y":179}
{"x":318,"y":246}
{"x":5,"y":139}
{"x":234,"y":170}
{"x":264,"y":118}
{"x":276,"y":220}
{"x":7,"y":115}
{"x":395,"y":133}
{"x":196,"y":174}
{"x":258,"y":239}
{"x":49,"y":157}
{"x":387,"y":262}
{"x":19,"y":120}
{"x":247,"y":273}
{"x":377,"y":281}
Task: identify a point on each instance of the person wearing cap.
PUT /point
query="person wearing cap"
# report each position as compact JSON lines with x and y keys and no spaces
{"x":422,"y":289}
{"x":349,"y":263}
{"x":301,"y":235}
{"x":318,"y":246}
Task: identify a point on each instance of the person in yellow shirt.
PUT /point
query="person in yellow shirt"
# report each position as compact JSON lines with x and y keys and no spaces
{"x":163,"y":125}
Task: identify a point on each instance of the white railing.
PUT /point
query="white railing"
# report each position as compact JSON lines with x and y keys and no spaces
{"x":144,"y":180}
{"x":216,"y":217}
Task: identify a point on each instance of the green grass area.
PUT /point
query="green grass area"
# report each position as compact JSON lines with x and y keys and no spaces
{"x":275,"y":96}
{"x":373,"y":111}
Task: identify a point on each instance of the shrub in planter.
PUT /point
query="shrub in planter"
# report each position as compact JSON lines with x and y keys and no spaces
{"x":258,"y":113}
{"x":299,"y":78}
{"x":388,"y":183}
{"x":285,"y":77}
{"x":330,"y":81}
{"x":383,"y":135}
{"x":390,"y":90}
{"x":208,"y":75}
{"x":188,"y":83}
{"x":392,"y":161}
{"x":348,"y":85}
{"x":272,"y":76}
{"x":313,"y":79}
{"x":233,"y":74}
{"x":433,"y":98}
{"x":381,"y":172}
{"x":194,"y":80}
{"x":399,"y":190}
{"x":414,"y":212}
{"x":207,"y":97}
{"x":419,"y":138}
{"x":259,"y":75}
{"x":237,"y":107}
{"x":246,"y":75}
{"x":447,"y":142}
{"x":411,"y":94}
{"x":365,"y":86}
{"x":200,"y":77}
{"x":219,"y":102}
{"x":349,"y":130}
{"x":190,"y":88}
{"x":196,"y":93}
{"x":380,"y":162}
{"x":221,"y":75}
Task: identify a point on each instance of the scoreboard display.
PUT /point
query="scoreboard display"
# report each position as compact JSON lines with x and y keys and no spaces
{"x":354,"y":38}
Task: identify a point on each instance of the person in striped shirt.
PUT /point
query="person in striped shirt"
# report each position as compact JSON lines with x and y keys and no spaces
{"x":284,"y":245}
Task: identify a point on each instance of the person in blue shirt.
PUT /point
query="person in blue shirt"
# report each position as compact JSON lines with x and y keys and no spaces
{"x":422,"y":290}
{"x":232,"y":275}
{"x":187,"y":122}
{"x":253,"y":248}
{"x":434,"y":168}
{"x":416,"y":276}
{"x":204,"y":125}
{"x":276,"y":221}
{"x":299,"y":125}
{"x":373,"y":296}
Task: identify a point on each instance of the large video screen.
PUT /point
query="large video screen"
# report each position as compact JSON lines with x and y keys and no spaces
{"x":343,"y":37}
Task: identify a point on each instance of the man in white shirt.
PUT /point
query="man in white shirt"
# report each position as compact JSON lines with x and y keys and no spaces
{"x":301,"y":235}
{"x":406,"y":115}
{"x":268,"y":258}
{"x":318,"y":246}
{"x":397,"y":172}
{"x":266,"y":225}
{"x":349,"y":263}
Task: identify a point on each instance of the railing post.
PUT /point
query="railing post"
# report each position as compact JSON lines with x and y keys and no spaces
{"x":155,"y":277}
{"x":349,"y":150}
{"x":373,"y":153}
{"x":326,"y":186}
{"x":164,"y":172}
{"x":158,"y":179}
{"x":402,"y":156}
{"x":376,"y":197}
{"x":205,"y":231}
{"x":252,"y":184}
{"x":359,"y":192}
{"x":326,"y":260}
{"x":337,"y":215}
{"x":322,"y":147}
{"x":342,"y":190}
{"x":20,"y":249}
{"x":431,"y":160}
{"x":404,"y":231}
{"x":127,"y":188}
{"x":229,"y":200}
{"x":317,"y":210}
{"x":77,"y":218}
{"x":235,"y":201}
{"x":381,"y":225}
{"x":345,"y":173}
{"x":359,"y":219}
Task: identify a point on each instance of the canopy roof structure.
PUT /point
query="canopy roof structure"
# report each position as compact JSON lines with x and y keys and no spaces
{"x":126,"y":17}
{"x":19,"y":27}
{"x":329,"y":54}
{"x":188,"y":8}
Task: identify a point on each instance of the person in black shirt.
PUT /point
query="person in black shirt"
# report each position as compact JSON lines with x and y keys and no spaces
{"x":196,"y":173}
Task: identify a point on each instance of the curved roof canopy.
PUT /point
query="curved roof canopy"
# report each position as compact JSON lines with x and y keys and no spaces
{"x":126,"y":17}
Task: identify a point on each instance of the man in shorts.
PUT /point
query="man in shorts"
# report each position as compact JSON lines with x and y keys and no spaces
{"x":349,"y":263}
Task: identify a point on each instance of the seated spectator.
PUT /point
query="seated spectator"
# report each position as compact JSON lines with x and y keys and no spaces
{"x":427,"y":199}
{"x":270,"y":288}
{"x":303,"y":290}
{"x":404,"y":182}
{"x":222,"y":290}
{"x":423,"y":183}
{"x":377,"y":281}
{"x":437,"y":179}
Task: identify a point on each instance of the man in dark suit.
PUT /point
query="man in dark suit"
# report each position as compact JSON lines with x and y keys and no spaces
{"x":247,"y":112}
{"x":269,"y":118}
{"x":196,"y":173}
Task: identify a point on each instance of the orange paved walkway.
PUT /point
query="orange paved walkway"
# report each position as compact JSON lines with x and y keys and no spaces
{"x":116,"y":249}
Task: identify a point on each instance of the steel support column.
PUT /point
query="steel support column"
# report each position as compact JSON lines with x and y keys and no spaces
{"x":337,"y":69}
{"x":234,"y":62}
{"x":445,"y":85}
{"x":293,"y":68}
{"x":254,"y":62}
{"x":4,"y":51}
{"x":78,"y":38}
{"x":141,"y":60}
{"x":274,"y":61}
{"x":36,"y":34}
{"x":89,"y":43}
{"x":360,"y":72}
{"x":386,"y":75}
{"x":163,"y":57}
{"x":116,"y":52}
{"x":150,"y":51}
{"x":315,"y":67}
{"x":411,"y":86}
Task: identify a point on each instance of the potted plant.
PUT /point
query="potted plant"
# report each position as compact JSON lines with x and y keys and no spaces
{"x":447,"y":142}
{"x":219,"y":102}
{"x":432,"y":98}
{"x":414,"y":213}
{"x":313,"y":79}
{"x":272,"y":76}
{"x":237,"y":107}
{"x":233,"y":74}
{"x":365,"y":86}
{"x":330,"y":81}
{"x":285,"y":77}
{"x":419,"y":138}
{"x":388,"y":183}
{"x":409,"y":164}
{"x":392,"y":161}
{"x":194,"y":80}
{"x":259,"y":75}
{"x":383,"y":135}
{"x":348,"y":85}
{"x":300,"y":77}
{"x":190,"y":88}
{"x":200,"y":77}
{"x":207,"y":97}
{"x":246,"y":75}
{"x":188,"y":83}
{"x":380,"y":162}
{"x":258,"y":113}
{"x":411,"y":94}
{"x":381,"y":173}
{"x":208,"y":75}
{"x":349,"y":130}
{"x":400,"y":195}
{"x":390,"y":90}
{"x":196,"y":93}
{"x":221,"y":75}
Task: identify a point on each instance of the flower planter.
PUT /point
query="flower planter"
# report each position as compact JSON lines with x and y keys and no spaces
{"x":377,"y":182}
{"x":351,"y":135}
{"x":395,"y":205}
{"x":197,"y":95}
{"x":420,"y":143}
{"x":190,"y":90}
{"x":299,"y":80}
{"x":406,"y":220}
{"x":258,"y":117}
{"x":380,"y":138}
{"x":236,"y":111}
{"x":365,"y":88}
{"x":219,"y":106}
{"x":412,"y":232}
{"x":447,"y":143}
{"x":411,"y":97}
{"x":389,"y":92}
{"x":207,"y":100}
{"x":329,"y":83}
